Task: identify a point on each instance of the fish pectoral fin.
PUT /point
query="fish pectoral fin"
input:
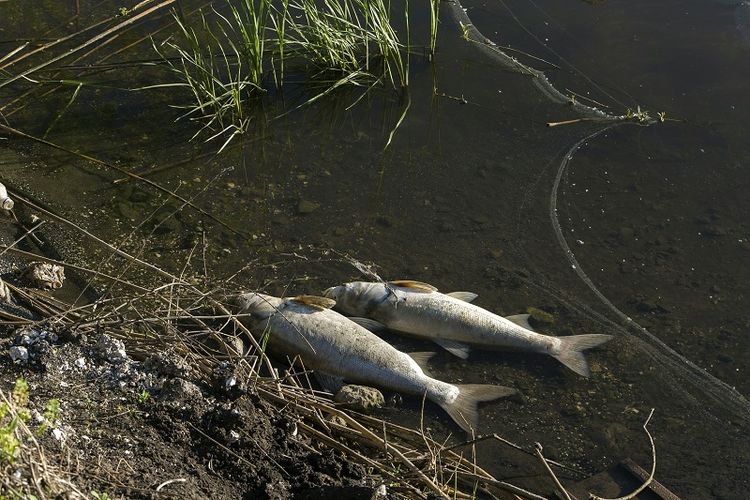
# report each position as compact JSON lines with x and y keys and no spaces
{"x":329,"y":383}
{"x":370,"y":324}
{"x":314,"y":301}
{"x":453,"y":347}
{"x":465,"y":296}
{"x":414,"y":286}
{"x":521,"y":320}
{"x":421,"y":359}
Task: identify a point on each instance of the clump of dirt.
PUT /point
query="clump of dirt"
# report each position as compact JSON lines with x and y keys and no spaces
{"x":155,"y":429}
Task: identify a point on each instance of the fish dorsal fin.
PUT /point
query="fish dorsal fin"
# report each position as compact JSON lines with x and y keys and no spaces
{"x":414,"y":286}
{"x":456,"y":348}
{"x":314,"y":301}
{"x":465,"y":296}
{"x":521,"y":320}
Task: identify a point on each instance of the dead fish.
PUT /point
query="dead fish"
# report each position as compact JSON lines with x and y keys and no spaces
{"x":452,"y":322}
{"x":330,"y":343}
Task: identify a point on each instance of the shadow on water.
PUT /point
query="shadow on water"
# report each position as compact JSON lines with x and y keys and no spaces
{"x":461,"y":199}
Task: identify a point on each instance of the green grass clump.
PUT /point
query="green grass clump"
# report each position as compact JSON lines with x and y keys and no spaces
{"x":235,"y":54}
{"x":14,"y":414}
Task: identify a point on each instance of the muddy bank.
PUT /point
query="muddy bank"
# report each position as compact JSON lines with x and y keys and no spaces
{"x":153,"y":429}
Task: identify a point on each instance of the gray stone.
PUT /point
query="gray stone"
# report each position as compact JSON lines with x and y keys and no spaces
{"x":112,"y":350}
{"x":19,"y":354}
{"x":360,"y":398}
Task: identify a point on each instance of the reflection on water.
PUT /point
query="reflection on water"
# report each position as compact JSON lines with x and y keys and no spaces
{"x":461,"y":199}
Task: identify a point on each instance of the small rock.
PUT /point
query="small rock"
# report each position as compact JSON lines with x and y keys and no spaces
{"x":714,"y":231}
{"x":234,"y":436}
{"x":540,"y":316}
{"x":45,"y":275}
{"x":495,"y":253}
{"x":19,"y":354}
{"x":58,"y":434}
{"x":179,"y":389}
{"x":338,"y":420}
{"x":380,"y":493}
{"x":237,"y":345}
{"x":306,"y":207}
{"x":167,"y":365}
{"x":80,"y":363}
{"x":724,"y":358}
{"x":360,"y":398}
{"x":226,"y":379}
{"x":280,"y":220}
{"x":112,"y":350}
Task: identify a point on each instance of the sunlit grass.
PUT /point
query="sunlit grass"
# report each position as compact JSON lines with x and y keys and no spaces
{"x":235,"y":54}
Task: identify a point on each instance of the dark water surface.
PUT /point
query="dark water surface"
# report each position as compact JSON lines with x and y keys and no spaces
{"x":652,"y":220}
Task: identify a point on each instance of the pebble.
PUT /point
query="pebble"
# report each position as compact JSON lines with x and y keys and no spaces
{"x":305,"y":207}
{"x":360,"y":398}
{"x":19,"y":354}
{"x":112,"y":350}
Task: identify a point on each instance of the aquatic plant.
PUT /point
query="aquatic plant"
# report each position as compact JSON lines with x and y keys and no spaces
{"x":434,"y":20}
{"x":234,"y":55}
{"x":215,"y":76}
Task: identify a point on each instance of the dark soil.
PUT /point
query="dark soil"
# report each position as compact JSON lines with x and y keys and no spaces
{"x":153,"y":429}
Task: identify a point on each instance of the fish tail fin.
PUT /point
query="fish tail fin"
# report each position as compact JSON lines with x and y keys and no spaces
{"x":571,"y":351}
{"x":463,"y":410}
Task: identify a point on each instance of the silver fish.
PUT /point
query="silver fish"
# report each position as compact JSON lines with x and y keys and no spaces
{"x":452,"y":322}
{"x":328,"y":342}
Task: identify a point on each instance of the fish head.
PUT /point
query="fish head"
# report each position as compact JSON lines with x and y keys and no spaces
{"x":257,"y":305}
{"x":357,"y":298}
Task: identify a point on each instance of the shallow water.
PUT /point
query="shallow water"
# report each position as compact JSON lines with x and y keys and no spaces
{"x":653,"y":216}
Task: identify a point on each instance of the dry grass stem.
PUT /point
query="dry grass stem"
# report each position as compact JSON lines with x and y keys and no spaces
{"x":650,"y":477}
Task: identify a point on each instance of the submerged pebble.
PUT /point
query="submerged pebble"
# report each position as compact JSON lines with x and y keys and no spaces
{"x":306,"y":207}
{"x":540,"y":316}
